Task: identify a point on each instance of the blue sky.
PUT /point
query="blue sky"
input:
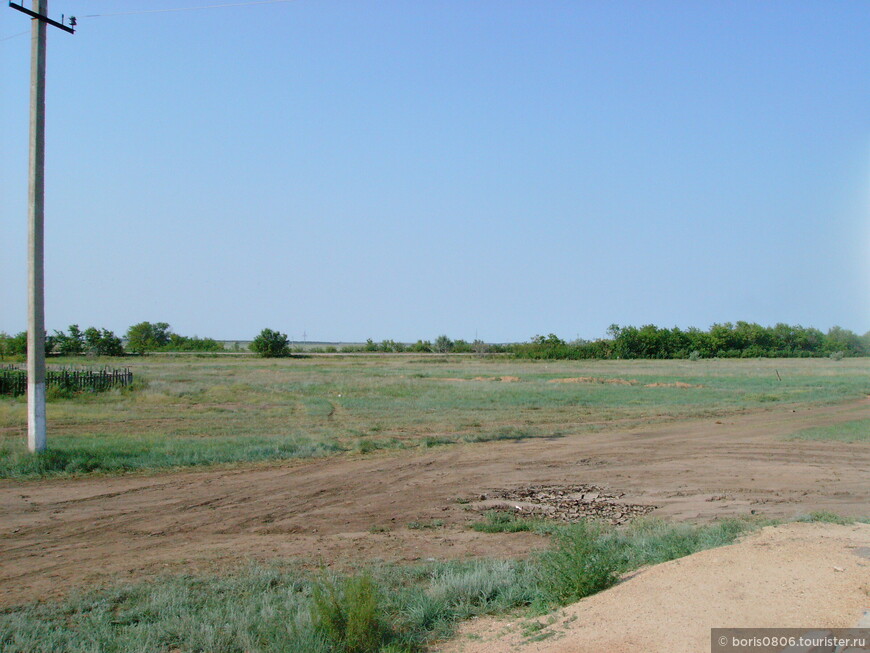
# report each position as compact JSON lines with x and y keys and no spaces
{"x":482,"y":168}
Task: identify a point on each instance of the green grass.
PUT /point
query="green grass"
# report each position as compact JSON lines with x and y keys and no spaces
{"x":198,"y":410}
{"x":827,"y":517}
{"x":109,"y":454}
{"x":382,"y":608}
{"x":855,"y":431}
{"x":497,"y":521}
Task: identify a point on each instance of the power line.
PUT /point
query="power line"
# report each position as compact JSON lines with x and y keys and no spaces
{"x":175,"y":9}
{"x":6,"y":38}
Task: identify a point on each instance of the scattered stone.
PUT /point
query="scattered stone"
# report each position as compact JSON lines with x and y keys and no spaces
{"x":568,"y":503}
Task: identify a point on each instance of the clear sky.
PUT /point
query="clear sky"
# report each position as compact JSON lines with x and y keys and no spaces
{"x":402,"y":169}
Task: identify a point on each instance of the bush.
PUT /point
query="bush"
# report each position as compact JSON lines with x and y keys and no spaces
{"x":271,"y":344}
{"x":348,"y":615}
{"x":580,"y":564}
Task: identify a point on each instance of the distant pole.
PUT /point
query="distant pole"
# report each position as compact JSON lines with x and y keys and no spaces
{"x":36,"y":427}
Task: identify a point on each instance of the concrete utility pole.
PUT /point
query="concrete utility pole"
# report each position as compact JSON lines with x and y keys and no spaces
{"x":36,"y":428}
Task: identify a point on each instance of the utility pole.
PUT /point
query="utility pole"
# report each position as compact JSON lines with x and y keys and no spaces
{"x":36,"y":427}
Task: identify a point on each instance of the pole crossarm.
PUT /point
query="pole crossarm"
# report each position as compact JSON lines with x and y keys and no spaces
{"x":44,"y":19}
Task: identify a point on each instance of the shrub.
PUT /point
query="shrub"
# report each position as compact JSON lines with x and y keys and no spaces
{"x":271,"y":344}
{"x":348,"y":615}
{"x":580,"y":564}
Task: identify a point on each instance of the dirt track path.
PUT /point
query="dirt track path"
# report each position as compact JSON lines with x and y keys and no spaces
{"x":58,"y":534}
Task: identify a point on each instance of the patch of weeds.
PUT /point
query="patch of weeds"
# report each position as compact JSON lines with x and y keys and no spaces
{"x":53,"y":393}
{"x":435,"y":441}
{"x":541,"y":636}
{"x":532,"y":627}
{"x":579,"y":564}
{"x":423,"y":525}
{"x":498,"y":521}
{"x":503,"y":433}
{"x":826,"y":517}
{"x":762,"y":397}
{"x":375,"y":528}
{"x":652,"y":541}
{"x":348,"y":614}
{"x":368,"y":445}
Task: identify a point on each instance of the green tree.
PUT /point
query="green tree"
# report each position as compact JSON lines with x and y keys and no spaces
{"x":17,"y":345}
{"x":144,"y":337}
{"x":102,"y":342}
{"x":71,"y":343}
{"x":271,"y":344}
{"x":443,"y":344}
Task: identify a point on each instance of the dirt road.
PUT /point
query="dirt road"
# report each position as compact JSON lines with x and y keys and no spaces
{"x":55,"y":535}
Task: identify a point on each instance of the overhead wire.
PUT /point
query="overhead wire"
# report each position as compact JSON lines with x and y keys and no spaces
{"x":12,"y":36}
{"x":162,"y":11}
{"x":176,"y":9}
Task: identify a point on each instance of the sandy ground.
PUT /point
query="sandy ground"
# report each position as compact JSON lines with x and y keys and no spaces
{"x":792,"y":576}
{"x":55,"y":535}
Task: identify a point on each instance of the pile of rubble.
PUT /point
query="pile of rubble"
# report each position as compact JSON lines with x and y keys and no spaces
{"x":568,"y":503}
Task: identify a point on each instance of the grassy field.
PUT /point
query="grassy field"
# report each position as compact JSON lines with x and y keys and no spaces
{"x":199,"y":410}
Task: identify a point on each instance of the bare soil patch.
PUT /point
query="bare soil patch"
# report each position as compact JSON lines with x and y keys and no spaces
{"x":55,"y":535}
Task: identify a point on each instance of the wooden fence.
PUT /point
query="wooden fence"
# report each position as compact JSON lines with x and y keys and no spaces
{"x":13,"y":380}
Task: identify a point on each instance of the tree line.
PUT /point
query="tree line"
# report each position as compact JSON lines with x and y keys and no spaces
{"x":140,"y":338}
{"x":740,"y":340}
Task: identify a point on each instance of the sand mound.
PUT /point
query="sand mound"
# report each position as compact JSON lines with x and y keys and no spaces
{"x":797,"y":575}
